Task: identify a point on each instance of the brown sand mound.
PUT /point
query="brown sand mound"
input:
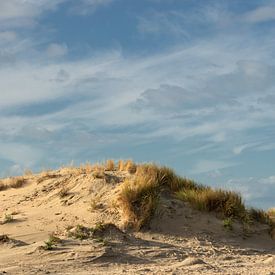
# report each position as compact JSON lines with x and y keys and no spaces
{"x":80,"y":207}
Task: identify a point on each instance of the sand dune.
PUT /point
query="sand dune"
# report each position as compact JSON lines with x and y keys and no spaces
{"x":75,"y":212}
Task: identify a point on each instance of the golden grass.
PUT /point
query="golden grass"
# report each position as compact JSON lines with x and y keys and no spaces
{"x":130,"y":166}
{"x":137,"y":200}
{"x":98,"y":171}
{"x":120,"y":165}
{"x":3,"y":186}
{"x":110,"y":165}
{"x":139,"y":197}
{"x":14,"y":182}
{"x":228,"y":203}
{"x":271,"y":212}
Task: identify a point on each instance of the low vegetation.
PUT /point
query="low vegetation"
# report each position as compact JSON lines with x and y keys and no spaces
{"x":52,"y":242}
{"x":228,"y":224}
{"x":4,"y":239}
{"x":110,"y":165}
{"x":13,"y":182}
{"x":140,"y":194}
{"x":8,"y":218}
{"x":98,"y":172}
{"x":64,"y":192}
{"x":83,"y":233}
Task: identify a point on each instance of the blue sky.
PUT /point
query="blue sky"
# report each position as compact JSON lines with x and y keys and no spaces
{"x":185,"y":83}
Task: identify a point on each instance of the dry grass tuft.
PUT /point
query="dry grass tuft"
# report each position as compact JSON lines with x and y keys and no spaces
{"x":120,"y":165}
{"x":271,"y":212}
{"x":130,"y":166}
{"x":258,"y":215}
{"x":98,"y":171}
{"x":110,"y":165}
{"x":88,"y":168}
{"x":64,"y":192}
{"x":28,"y":172}
{"x":139,"y":197}
{"x":3,"y":186}
{"x":16,"y":182}
{"x":228,"y":203}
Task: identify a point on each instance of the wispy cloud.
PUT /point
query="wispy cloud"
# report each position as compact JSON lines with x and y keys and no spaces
{"x":260,"y":14}
{"x":256,"y":191}
{"x":86,"y":7}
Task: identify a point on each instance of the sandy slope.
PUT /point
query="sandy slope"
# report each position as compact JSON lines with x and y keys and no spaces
{"x":179,"y":240}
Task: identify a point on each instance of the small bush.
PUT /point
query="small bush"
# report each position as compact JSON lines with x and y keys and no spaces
{"x":51,"y":242}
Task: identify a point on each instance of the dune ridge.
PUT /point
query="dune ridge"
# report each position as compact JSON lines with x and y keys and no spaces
{"x":129,"y":218}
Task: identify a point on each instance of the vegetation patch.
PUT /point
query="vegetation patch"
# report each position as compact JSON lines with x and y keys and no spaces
{"x":228,"y":224}
{"x":64,"y":192}
{"x":139,"y":197}
{"x":8,"y":219}
{"x":4,"y":239}
{"x":52,"y":242}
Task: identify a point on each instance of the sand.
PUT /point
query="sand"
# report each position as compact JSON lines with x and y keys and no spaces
{"x":179,"y":240}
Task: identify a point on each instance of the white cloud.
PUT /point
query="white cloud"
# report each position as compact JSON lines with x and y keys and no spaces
{"x":7,"y":36}
{"x":260,"y":14}
{"x":19,"y":13}
{"x":204,"y":166}
{"x":85,"y":7}
{"x":257,"y":192}
{"x":240,"y":148}
{"x":57,"y":50}
{"x":162,"y":23}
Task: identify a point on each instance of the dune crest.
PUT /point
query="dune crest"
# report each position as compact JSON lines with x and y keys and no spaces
{"x":128,"y":218}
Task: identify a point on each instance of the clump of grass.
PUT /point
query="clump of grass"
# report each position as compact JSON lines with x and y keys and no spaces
{"x":16,"y":182}
{"x":120,"y":165}
{"x":28,"y":172}
{"x":64,"y":192}
{"x":271,"y":213}
{"x":258,"y":215}
{"x":51,"y":242}
{"x":228,"y":224}
{"x":130,"y":166}
{"x":139,"y":196}
{"x":88,"y":168}
{"x":3,"y":186}
{"x":82,"y":232}
{"x":228,"y":203}
{"x":99,"y":172}
{"x":4,"y":238}
{"x":8,"y":218}
{"x":110,"y":165}
{"x":95,"y":204}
